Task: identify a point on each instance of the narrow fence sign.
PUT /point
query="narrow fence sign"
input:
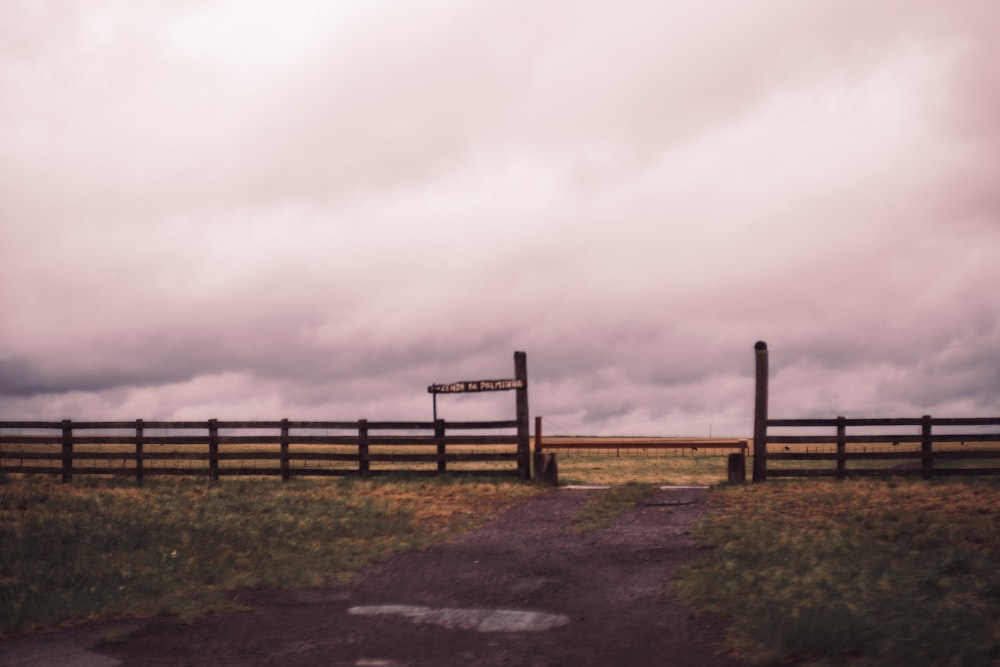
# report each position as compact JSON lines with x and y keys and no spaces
{"x":476,"y":385}
{"x":519,"y":384}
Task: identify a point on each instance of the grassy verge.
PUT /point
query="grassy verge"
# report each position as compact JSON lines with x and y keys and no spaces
{"x":608,"y":505}
{"x":860,"y":572}
{"x":101,"y":547}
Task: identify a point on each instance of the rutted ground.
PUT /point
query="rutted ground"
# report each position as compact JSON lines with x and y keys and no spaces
{"x":599,"y":598}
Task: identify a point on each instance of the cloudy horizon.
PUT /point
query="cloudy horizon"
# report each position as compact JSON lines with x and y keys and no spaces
{"x":237,"y":210}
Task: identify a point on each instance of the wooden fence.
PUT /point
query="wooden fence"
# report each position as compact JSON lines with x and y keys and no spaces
{"x":616,"y":446}
{"x":266,"y":448}
{"x":925,"y":453}
{"x":924,"y":446}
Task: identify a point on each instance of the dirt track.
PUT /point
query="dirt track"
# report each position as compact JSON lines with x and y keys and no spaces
{"x":598,"y":599}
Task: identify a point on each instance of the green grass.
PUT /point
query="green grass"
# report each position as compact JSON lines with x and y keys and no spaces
{"x":608,"y":505}
{"x":661,"y":469}
{"x":865,"y":572}
{"x":99,"y":547}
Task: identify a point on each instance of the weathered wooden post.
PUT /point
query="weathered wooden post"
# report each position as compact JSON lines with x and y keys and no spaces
{"x":760,"y":415}
{"x":284,"y":438}
{"x":841,"y":448}
{"x":364,"y":465}
{"x":926,"y":448}
{"x":439,"y":438}
{"x":737,"y":467}
{"x":538,"y":435}
{"x":213,"y":449}
{"x":523,"y":435}
{"x":546,"y":466}
{"x":139,"y":430}
{"x":67,"y":451}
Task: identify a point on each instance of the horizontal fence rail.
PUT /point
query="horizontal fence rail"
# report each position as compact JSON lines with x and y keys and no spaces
{"x":282,"y":448}
{"x":924,"y":446}
{"x":576,"y":443}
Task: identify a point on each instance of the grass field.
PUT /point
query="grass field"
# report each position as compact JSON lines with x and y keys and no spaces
{"x":105,"y":547}
{"x":639,"y":467}
{"x":816,"y":572}
{"x":853,"y":572}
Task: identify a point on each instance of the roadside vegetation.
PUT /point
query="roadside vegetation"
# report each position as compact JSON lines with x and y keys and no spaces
{"x":863,"y":572}
{"x":102,"y":547}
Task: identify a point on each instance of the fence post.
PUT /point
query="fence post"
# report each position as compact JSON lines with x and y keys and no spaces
{"x":67,"y":451}
{"x":546,"y":466}
{"x":139,"y":432}
{"x":439,"y":436}
{"x":926,"y":449}
{"x":523,"y":436}
{"x":285,"y":475}
{"x":213,"y":449}
{"x":760,"y":414}
{"x":538,"y":435}
{"x":841,"y":448}
{"x":736,"y":467}
{"x":363,"y":464}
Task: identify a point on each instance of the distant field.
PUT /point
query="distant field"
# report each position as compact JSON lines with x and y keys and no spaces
{"x":626,"y":460}
{"x":618,"y":463}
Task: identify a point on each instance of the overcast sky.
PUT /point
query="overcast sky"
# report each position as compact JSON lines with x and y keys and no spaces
{"x":257,"y":210}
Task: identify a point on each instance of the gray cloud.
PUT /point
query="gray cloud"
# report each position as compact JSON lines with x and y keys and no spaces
{"x":218,"y":210}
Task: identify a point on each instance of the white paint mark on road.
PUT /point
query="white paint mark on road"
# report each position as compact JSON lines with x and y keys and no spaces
{"x":585,"y":487}
{"x":481,"y":620}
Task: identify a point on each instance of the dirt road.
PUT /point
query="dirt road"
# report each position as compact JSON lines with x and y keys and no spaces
{"x":521,"y":590}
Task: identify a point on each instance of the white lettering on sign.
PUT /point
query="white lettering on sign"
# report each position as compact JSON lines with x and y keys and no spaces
{"x":476,"y":385}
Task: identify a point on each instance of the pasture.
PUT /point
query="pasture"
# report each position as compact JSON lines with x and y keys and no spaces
{"x":853,"y":572}
{"x":818,"y":571}
{"x":109,"y":547}
{"x":617,"y":465}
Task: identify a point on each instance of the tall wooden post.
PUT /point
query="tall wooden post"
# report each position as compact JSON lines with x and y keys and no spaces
{"x":760,"y":415}
{"x":523,"y":436}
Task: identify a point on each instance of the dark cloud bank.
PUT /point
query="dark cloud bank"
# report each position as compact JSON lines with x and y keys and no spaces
{"x":212,"y":210}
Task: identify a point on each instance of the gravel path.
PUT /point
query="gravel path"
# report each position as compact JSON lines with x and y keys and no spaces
{"x":521,"y":590}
